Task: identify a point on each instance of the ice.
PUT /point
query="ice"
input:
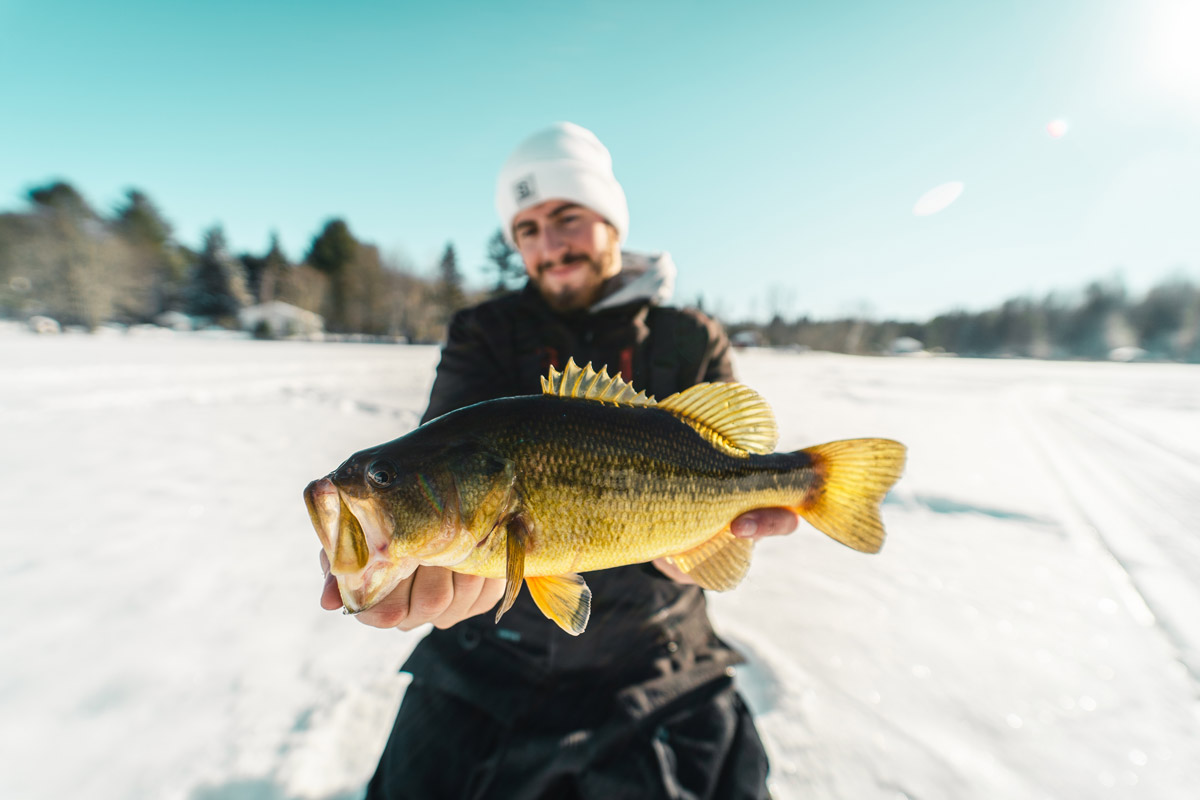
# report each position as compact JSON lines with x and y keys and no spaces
{"x":1027,"y":631}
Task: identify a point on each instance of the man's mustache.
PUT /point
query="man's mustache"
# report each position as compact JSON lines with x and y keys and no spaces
{"x":570,"y":258}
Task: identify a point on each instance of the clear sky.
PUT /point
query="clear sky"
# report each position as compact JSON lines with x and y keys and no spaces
{"x":777,"y":150}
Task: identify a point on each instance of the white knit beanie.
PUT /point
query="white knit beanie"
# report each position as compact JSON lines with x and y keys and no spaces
{"x":563,"y":161}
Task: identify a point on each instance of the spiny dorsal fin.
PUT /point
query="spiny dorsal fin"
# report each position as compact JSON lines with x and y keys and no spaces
{"x":586,"y":384}
{"x":729,"y":415}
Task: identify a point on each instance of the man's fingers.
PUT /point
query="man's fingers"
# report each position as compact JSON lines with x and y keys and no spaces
{"x":466,"y":592}
{"x":331,"y":598}
{"x":393,"y":609}
{"x":432,"y":593}
{"x":489,"y":594}
{"x":671,"y":571}
{"x":763,"y":522}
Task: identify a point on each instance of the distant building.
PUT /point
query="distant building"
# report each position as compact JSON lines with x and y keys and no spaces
{"x":1127,"y":353}
{"x":906,"y":345}
{"x":277,"y":319}
{"x":176,"y":321}
{"x":44,"y":325}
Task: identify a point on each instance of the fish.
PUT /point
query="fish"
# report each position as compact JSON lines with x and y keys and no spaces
{"x":588,"y":475}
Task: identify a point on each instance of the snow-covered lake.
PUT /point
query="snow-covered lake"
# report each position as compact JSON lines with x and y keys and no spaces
{"x":1030,"y":629}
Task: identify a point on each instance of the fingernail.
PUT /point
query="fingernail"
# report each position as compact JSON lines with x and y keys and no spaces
{"x":746,"y":527}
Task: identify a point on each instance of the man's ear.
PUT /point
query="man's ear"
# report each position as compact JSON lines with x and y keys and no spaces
{"x":614,"y":247}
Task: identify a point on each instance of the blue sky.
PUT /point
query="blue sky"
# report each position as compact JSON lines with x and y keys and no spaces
{"x":776,"y":150}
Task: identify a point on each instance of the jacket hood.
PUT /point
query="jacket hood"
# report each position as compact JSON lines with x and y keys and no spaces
{"x":644,"y":277}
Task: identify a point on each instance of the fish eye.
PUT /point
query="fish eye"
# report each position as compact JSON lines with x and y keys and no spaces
{"x":381,"y":473}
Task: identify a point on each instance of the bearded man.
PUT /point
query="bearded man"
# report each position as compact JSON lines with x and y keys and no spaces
{"x":642,"y":705}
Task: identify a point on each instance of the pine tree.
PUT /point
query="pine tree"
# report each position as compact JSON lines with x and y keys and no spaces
{"x":139,"y":221}
{"x":333,"y":248}
{"x":266,"y":274}
{"x":449,"y":294}
{"x":217,"y":287}
{"x":333,"y":253}
{"x":505,"y":262}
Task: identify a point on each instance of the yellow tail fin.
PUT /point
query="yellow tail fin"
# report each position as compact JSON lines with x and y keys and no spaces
{"x":853,"y":476}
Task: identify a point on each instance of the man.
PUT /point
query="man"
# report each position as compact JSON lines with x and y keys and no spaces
{"x":641,"y":705}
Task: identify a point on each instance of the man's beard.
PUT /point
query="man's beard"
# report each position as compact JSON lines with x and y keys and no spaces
{"x":575,"y":298}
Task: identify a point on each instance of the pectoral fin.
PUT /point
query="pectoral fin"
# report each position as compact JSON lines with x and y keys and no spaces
{"x":718,"y":564}
{"x":565,"y":599}
{"x":516,"y":534}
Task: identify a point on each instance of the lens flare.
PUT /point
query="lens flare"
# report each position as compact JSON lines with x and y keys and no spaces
{"x":938,"y":198}
{"x":1057,"y":128}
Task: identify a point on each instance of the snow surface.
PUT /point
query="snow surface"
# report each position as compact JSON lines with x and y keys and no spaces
{"x":1029,"y":630}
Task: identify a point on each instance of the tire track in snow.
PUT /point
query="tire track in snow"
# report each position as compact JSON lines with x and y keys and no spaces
{"x":1189,"y":463}
{"x":804,"y":719}
{"x":1127,"y":501}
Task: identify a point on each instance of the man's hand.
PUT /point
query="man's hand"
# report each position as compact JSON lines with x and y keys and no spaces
{"x":431,"y":594}
{"x":756,"y":524}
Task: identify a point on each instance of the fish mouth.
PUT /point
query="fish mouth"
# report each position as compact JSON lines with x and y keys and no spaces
{"x":356,"y":536}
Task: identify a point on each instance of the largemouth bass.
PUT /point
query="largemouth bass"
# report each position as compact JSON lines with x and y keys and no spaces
{"x":588,"y":475}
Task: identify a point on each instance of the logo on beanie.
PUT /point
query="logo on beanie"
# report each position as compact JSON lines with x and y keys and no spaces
{"x":525,"y":189}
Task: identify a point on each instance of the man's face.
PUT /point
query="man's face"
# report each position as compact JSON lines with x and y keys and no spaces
{"x":569,"y":252}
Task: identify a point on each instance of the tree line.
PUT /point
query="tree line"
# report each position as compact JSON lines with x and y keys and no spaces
{"x":64,"y":259}
{"x":1103,"y":320}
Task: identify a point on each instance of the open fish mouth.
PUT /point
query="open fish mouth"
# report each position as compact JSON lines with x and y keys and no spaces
{"x":356,"y":537}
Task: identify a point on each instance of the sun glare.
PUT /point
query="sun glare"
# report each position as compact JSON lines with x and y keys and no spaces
{"x":1173,"y":47}
{"x":1057,"y":128}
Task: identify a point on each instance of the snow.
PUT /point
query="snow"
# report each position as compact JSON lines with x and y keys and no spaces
{"x":1027,"y":631}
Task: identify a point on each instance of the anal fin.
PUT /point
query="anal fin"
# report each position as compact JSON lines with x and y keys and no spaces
{"x":718,"y":564}
{"x":565,"y":599}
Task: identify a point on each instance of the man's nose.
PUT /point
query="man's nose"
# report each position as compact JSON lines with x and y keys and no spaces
{"x":554,"y":245}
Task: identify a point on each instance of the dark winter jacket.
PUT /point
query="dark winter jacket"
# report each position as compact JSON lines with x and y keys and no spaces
{"x":649,"y":639}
